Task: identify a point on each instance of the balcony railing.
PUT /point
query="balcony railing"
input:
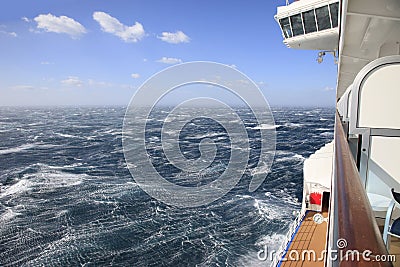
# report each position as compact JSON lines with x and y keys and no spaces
{"x":353,"y":218}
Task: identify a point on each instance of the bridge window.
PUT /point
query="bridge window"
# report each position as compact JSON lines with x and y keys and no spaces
{"x":323,"y":19}
{"x":297,"y":25}
{"x":334,"y":14}
{"x":309,"y":21}
{"x":287,"y":31}
{"x":319,"y":19}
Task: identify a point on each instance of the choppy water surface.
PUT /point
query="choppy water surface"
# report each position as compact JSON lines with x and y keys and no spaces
{"x":67,"y":198}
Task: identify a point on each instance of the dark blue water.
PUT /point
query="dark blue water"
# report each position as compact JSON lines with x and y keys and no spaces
{"x":67,"y":198}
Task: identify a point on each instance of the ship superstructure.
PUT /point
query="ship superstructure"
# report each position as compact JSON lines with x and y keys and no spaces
{"x":348,"y":205}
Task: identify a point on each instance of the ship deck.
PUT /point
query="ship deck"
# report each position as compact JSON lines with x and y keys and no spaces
{"x":309,"y":237}
{"x":312,"y":237}
{"x":395,"y":250}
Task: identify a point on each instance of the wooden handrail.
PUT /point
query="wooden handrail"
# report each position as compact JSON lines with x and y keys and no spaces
{"x":354,"y":219}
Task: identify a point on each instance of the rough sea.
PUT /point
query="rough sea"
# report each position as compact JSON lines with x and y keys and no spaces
{"x":68,"y":199}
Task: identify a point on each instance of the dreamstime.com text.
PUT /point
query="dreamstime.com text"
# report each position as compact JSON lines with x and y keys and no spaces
{"x":333,"y":255}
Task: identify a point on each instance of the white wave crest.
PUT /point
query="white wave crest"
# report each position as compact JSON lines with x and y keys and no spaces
{"x":7,"y":215}
{"x":47,"y":178}
{"x":17,"y":188}
{"x":265,"y":127}
{"x":17,"y":149}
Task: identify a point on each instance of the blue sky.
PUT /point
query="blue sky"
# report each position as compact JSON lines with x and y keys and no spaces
{"x":92,"y":52}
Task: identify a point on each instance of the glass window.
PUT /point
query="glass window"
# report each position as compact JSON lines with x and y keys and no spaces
{"x":285,"y":27}
{"x":323,"y":20}
{"x":334,"y":14}
{"x":297,"y":25}
{"x":309,"y":21}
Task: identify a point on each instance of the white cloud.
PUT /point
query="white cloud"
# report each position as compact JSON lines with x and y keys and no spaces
{"x":62,"y":24}
{"x":169,"y":60}
{"x":127,"y":86}
{"x":75,"y":82}
{"x":72,"y":81}
{"x":13,"y":34}
{"x":46,"y":63}
{"x":23,"y":87}
{"x":242,"y":81}
{"x":135,"y":75}
{"x":94,"y":83}
{"x":174,"y":37}
{"x":26,"y":19}
{"x":3,"y":30}
{"x":328,"y":88}
{"x":129,"y":34}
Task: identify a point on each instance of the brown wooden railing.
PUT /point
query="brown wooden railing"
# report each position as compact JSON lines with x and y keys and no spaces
{"x":353,"y":218}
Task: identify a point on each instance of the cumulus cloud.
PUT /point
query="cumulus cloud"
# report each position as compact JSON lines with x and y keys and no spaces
{"x":174,"y":37}
{"x":135,"y":75}
{"x":169,"y":60}
{"x":62,"y":24}
{"x":109,"y":24}
{"x":26,"y":19}
{"x":72,"y":81}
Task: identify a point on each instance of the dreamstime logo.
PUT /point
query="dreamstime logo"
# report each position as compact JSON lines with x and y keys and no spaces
{"x":341,"y":243}
{"x":141,"y":124}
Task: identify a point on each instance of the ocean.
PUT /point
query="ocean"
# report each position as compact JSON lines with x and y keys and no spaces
{"x":67,"y":197}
